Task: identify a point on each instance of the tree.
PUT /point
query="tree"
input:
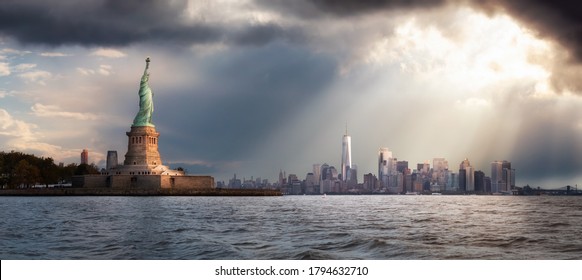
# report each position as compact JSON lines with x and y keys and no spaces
{"x":86,"y":169}
{"x":25,"y":174}
{"x":48,"y":171}
{"x":66,"y":172}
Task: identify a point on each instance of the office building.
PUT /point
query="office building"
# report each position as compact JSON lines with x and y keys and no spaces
{"x":85,"y":156}
{"x":502,"y":176}
{"x":466,"y":182}
{"x":346,"y":155}
{"x":479,"y":181}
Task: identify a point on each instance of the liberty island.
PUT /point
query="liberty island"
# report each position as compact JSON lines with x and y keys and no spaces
{"x":142,"y":171}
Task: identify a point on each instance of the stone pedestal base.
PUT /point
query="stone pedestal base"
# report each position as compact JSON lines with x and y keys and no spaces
{"x":142,"y":147}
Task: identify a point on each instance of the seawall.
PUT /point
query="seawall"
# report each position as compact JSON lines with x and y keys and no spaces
{"x":137,"y":192}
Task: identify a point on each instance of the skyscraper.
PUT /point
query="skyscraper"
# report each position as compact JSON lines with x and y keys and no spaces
{"x":346,"y":155}
{"x":469,"y":180}
{"x":440,"y":168}
{"x":384,"y":165}
{"x":502,"y":176}
{"x":317,"y":172}
{"x":479,"y":181}
{"x":85,"y":156}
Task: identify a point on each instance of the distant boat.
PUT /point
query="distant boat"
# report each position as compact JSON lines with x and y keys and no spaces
{"x":411,"y":193}
{"x":323,"y":196}
{"x":436,"y":193}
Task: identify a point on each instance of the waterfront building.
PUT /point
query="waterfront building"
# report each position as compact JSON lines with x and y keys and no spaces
{"x":509,"y":179}
{"x":401,"y":166}
{"x":235,"y":183}
{"x":423,"y":168}
{"x":112,"y":161}
{"x":311,"y":184}
{"x":479,"y":181}
{"x":408,"y":187}
{"x":487,"y":183}
{"x":384,"y":161}
{"x":502,"y":176}
{"x":317,"y":172}
{"x":440,"y":168}
{"x":452,"y":182}
{"x":352,"y":179}
{"x":281,"y":178}
{"x":330,"y":181}
{"x":387,"y":170}
{"x":468,"y":183}
{"x":85,"y":156}
{"x":370,"y":182}
{"x":346,"y":161}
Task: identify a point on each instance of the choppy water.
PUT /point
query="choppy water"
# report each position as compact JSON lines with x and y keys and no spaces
{"x":291,"y":227}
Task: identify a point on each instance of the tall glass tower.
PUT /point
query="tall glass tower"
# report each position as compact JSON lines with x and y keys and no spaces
{"x":346,"y":155}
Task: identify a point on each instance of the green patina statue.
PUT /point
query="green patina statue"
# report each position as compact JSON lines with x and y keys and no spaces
{"x":146,"y":101}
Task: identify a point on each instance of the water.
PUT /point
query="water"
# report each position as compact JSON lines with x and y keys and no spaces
{"x":291,"y":227}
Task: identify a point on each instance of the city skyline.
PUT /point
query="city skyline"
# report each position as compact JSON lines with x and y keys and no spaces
{"x":252,"y":87}
{"x":394,"y":176}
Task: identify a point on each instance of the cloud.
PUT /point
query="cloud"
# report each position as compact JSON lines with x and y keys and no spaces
{"x":25,"y":137}
{"x":103,"y":69}
{"x":121,"y":23}
{"x":24,"y":67}
{"x":38,"y":76}
{"x":4,"y":69}
{"x":55,"y":111}
{"x":54,"y":54}
{"x":251,"y":104}
{"x":560,"y":20}
{"x":85,"y":71}
{"x":473,"y":103}
{"x":15,"y":128}
{"x":110,"y":53}
{"x":315,"y":8}
{"x":14,"y":51}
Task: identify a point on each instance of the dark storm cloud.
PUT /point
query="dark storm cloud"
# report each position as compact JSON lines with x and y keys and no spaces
{"x":244,"y":97}
{"x":315,"y":8}
{"x":119,"y":23}
{"x":348,"y":7}
{"x":559,"y":19}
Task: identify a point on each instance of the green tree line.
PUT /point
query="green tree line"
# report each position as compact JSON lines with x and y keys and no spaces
{"x":20,"y":170}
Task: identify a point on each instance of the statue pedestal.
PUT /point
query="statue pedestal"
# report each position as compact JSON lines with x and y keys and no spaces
{"x":142,"y":147}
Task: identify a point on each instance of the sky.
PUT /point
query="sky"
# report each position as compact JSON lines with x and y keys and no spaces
{"x":256,"y":86}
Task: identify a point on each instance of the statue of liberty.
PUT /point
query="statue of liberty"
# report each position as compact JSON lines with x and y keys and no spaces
{"x":146,"y":102}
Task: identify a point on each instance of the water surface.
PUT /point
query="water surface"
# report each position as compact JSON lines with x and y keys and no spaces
{"x":291,"y":227}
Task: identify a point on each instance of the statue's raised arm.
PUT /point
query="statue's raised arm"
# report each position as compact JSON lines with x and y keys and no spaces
{"x":146,"y":102}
